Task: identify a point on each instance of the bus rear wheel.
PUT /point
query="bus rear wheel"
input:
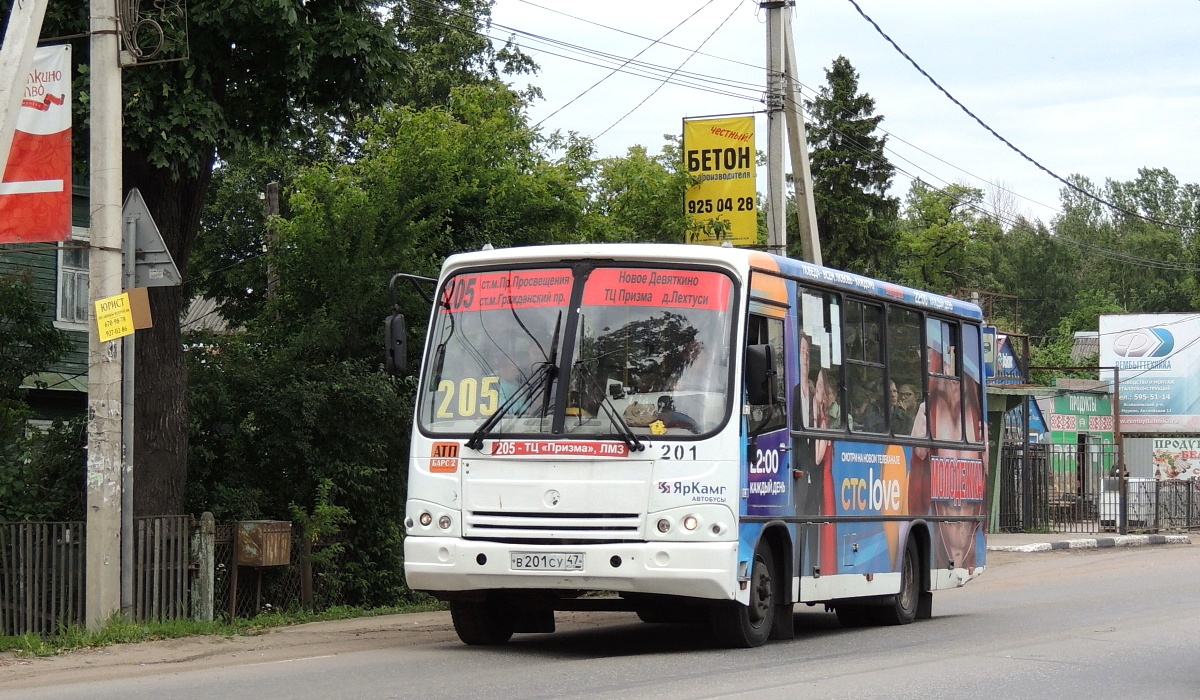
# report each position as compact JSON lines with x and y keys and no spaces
{"x":481,"y":624}
{"x":899,"y":609}
{"x":902,"y":608}
{"x":744,"y":626}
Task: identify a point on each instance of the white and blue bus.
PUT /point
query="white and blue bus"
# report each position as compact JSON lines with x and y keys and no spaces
{"x":704,"y":434}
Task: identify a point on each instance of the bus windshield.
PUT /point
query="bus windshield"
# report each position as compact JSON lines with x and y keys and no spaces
{"x":646,"y":350}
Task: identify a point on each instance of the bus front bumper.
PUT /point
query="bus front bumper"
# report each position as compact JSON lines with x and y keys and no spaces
{"x":698,"y":570}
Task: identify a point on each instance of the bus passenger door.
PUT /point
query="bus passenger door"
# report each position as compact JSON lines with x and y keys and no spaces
{"x":768,"y":441}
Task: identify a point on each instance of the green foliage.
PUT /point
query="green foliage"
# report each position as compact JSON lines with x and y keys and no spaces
{"x":636,"y":198}
{"x":29,"y":343}
{"x":42,"y":477}
{"x":40,"y":473}
{"x":944,"y":239}
{"x":1055,"y":350}
{"x":856,"y":219}
{"x":293,"y":416}
{"x":1164,"y":286}
{"x":276,"y":437}
{"x":119,"y":631}
{"x":450,"y":48}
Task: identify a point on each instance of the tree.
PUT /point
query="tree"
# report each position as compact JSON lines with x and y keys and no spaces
{"x":636,"y":197}
{"x":294,"y":414}
{"x":851,"y":175}
{"x":1043,"y":271}
{"x":1148,"y":266}
{"x":943,"y":239}
{"x":260,"y":71}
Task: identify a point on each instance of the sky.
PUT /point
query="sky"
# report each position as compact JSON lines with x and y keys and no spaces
{"x":1098,"y":88}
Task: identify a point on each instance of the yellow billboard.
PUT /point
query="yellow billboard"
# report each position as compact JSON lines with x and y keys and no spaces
{"x":719,"y":154}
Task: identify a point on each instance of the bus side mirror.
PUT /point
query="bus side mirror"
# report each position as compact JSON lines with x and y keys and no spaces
{"x":760,"y":375}
{"x":395,"y":344}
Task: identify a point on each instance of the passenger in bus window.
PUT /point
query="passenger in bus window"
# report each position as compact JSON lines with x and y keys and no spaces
{"x":909,"y":399}
{"x":833,"y":408}
{"x":902,"y":421}
{"x":865,"y":415}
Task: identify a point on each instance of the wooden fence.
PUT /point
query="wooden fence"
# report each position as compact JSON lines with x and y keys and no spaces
{"x":43,"y":573}
{"x":41,"y":576}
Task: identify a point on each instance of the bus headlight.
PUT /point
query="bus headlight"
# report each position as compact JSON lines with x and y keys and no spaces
{"x":444,"y":522}
{"x":426,"y":518}
{"x":690,"y":522}
{"x":664,"y":526}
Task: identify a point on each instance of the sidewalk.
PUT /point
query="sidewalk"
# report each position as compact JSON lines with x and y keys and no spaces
{"x":1048,"y":541}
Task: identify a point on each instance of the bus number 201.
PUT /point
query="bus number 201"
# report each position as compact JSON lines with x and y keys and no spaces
{"x":677,"y":452}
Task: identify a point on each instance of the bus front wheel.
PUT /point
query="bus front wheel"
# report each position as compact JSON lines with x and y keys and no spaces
{"x":745,"y":626}
{"x":481,"y":624}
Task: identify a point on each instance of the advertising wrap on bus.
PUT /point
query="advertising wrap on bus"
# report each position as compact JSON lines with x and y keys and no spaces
{"x":691,"y":433}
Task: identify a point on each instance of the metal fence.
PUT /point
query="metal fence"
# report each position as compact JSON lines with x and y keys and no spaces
{"x":304,"y":583}
{"x":1070,"y":488}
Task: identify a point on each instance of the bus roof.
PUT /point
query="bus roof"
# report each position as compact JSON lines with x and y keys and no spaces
{"x":735,"y":258}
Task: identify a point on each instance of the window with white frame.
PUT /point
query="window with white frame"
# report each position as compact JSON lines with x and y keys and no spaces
{"x":73,"y":280}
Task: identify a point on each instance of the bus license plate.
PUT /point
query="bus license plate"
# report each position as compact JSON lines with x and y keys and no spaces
{"x":546,"y":561}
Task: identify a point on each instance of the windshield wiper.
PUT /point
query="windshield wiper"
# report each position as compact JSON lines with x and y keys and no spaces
{"x":551,"y":359}
{"x":523,"y":397}
{"x":624,"y":432}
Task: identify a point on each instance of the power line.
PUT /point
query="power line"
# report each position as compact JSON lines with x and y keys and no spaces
{"x":639,"y":36}
{"x":681,"y":65}
{"x":673,"y":78}
{"x":1117,"y":255}
{"x":616,"y":70}
{"x":758,"y":99}
{"x":627,"y":66}
{"x":1005,"y":141}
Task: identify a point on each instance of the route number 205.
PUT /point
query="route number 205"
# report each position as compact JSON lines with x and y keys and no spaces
{"x":468,"y":397}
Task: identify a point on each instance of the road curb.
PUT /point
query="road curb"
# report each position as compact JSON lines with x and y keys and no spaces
{"x":1095,"y":543}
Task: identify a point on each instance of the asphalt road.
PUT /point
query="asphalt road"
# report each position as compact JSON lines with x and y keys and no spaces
{"x":1115,"y":623}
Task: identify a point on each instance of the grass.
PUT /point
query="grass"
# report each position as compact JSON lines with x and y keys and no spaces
{"x":119,"y":631}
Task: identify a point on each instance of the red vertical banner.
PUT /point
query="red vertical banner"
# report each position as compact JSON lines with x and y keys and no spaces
{"x":35,"y":193}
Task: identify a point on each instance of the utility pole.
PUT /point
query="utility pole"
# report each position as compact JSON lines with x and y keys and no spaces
{"x":104,"y":458}
{"x":776,"y":203}
{"x":806,"y":204}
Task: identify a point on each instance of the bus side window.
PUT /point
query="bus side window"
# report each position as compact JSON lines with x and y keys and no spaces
{"x":943,"y":407}
{"x":906,"y":385}
{"x":972,"y":386}
{"x":769,"y":331}
{"x":819,"y":390}
{"x":868,"y":397}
